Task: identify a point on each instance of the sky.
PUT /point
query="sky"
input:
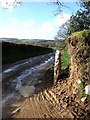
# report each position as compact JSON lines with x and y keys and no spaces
{"x":34,"y":20}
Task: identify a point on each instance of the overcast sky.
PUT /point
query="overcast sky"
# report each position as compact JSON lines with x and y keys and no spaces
{"x":33,"y":20}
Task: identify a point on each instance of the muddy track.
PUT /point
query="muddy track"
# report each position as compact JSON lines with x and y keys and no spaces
{"x":26,"y":72}
{"x":48,"y":101}
{"x":47,"y":104}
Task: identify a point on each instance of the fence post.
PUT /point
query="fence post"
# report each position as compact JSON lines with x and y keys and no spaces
{"x":57,"y":66}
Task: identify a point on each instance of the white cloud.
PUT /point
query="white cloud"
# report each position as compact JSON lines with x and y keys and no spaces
{"x":60,"y":19}
{"x":31,"y":29}
{"x":28,"y":23}
{"x":15,"y":21}
{"x":24,"y":23}
{"x":47,"y":26}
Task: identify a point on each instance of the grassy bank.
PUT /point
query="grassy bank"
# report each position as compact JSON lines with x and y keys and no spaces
{"x":14,"y":52}
{"x":65,"y":59}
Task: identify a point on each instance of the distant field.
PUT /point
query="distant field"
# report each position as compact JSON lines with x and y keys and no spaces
{"x":38,"y":42}
{"x":14,"y":52}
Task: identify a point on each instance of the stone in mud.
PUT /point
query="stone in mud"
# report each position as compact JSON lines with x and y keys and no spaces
{"x":27,"y":91}
{"x":83,"y":99}
{"x":87,"y":89}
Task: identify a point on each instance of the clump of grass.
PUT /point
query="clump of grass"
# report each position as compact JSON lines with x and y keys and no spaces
{"x":82,"y":94}
{"x":82,"y":85}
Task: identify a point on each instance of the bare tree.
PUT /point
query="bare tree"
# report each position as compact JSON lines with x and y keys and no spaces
{"x":63,"y":31}
{"x":10,"y":3}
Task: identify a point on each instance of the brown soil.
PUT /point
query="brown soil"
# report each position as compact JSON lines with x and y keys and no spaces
{"x":49,"y":101}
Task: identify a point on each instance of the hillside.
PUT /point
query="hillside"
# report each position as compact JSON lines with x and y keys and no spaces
{"x":37,"y":42}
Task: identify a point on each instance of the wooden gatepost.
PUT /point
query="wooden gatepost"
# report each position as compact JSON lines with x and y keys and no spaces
{"x":57,"y":66}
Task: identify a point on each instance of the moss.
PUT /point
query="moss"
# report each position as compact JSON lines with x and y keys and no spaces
{"x":80,"y":36}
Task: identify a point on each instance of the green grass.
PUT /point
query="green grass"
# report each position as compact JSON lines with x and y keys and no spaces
{"x":82,"y":94}
{"x":65,"y":60}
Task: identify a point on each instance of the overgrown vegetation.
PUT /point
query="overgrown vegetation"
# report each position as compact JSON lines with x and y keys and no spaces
{"x":13,"y":52}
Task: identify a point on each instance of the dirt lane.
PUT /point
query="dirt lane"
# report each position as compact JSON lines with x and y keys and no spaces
{"x":27,"y":72}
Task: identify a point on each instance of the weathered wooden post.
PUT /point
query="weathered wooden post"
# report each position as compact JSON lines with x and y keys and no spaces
{"x":57,"y":66}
